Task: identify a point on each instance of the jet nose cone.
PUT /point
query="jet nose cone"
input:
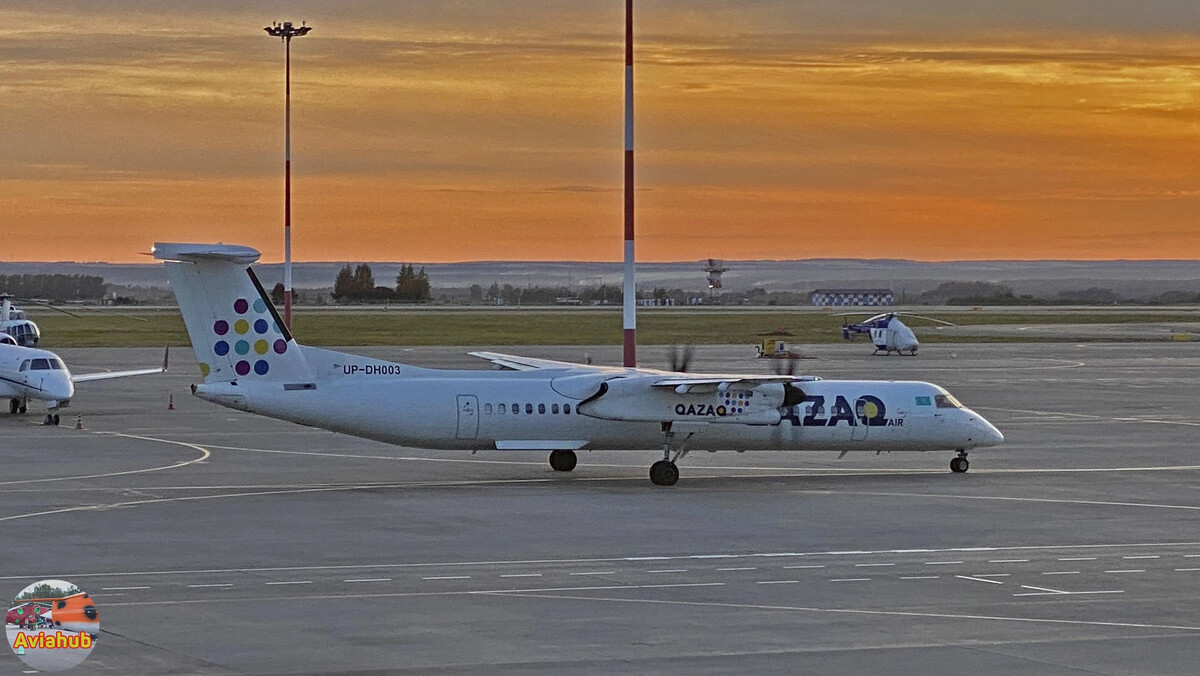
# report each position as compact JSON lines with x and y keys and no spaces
{"x":60,"y":389}
{"x":991,"y":435}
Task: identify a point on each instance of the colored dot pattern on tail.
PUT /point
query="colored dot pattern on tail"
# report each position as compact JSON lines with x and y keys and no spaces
{"x":241,"y":326}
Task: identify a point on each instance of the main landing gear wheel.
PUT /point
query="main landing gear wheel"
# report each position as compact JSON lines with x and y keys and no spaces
{"x":51,"y":419}
{"x":664,"y":473}
{"x":14,"y":405}
{"x":959,"y":464}
{"x":563,"y":461}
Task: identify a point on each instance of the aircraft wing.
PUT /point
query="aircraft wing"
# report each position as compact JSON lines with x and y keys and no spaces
{"x":516,"y":363}
{"x":105,"y":375}
{"x":684,"y":383}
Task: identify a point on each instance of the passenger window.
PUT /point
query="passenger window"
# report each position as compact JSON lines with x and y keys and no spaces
{"x":529,"y":409}
{"x":487,"y":409}
{"x":946,"y":401}
{"x":503,"y":409}
{"x":554,"y":408}
{"x":542,"y":408}
{"x":516,"y":408}
{"x":566,"y":409}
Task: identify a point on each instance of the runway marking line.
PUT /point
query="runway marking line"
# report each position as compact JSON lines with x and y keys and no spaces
{"x":1062,"y":572}
{"x":205,"y":454}
{"x":850,"y":579}
{"x":522,"y":575}
{"x":978,"y":579}
{"x":1133,"y":570}
{"x":669,"y":570}
{"x":872,"y":565}
{"x":942,"y":563}
{"x":1185,"y":570}
{"x":777,"y":582}
{"x":919,"y":577}
{"x":530,"y":562}
{"x":741,"y":568}
{"x":1081,"y":558}
{"x":290,"y":582}
{"x":1144,"y":556}
{"x":121,"y":588}
{"x":221,"y":584}
{"x":447,"y":577}
{"x":369,"y":579}
{"x":863,"y":611}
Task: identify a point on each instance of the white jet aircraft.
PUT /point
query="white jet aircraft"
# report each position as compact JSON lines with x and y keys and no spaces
{"x":29,"y":373}
{"x":250,"y":362}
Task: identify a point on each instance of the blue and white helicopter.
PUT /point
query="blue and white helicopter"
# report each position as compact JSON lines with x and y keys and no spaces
{"x":887,"y":332}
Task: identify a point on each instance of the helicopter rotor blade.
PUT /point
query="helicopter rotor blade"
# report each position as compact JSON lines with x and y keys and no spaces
{"x":931,"y":319}
{"x":30,"y":301}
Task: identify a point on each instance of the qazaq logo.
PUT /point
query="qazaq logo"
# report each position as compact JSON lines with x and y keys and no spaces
{"x":52,"y":625}
{"x":251,"y":337}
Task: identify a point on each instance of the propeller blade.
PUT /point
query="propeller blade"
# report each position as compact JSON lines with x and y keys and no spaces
{"x":785,"y":367}
{"x":680,"y":359}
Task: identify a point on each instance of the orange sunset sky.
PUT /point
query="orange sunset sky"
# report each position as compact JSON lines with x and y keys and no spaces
{"x":456,"y":130}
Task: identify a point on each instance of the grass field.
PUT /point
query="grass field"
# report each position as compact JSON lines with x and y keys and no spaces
{"x":559,"y":327}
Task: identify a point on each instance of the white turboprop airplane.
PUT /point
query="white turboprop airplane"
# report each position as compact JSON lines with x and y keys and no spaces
{"x":250,"y":362}
{"x":29,"y":373}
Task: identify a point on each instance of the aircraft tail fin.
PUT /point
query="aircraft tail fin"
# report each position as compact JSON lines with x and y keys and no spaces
{"x":234,"y":328}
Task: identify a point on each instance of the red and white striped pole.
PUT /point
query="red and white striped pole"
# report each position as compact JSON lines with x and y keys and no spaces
{"x":629,"y":305}
{"x":287,"y":182}
{"x":286,"y":31}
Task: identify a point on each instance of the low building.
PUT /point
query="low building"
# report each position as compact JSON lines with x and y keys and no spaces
{"x":852,"y":297}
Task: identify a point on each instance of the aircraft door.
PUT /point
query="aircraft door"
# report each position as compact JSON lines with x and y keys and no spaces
{"x":468,"y":416}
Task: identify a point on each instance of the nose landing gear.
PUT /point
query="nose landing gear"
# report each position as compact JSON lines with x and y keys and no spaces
{"x":959,"y":464}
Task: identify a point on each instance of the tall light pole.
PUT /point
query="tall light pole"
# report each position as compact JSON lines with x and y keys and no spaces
{"x":286,"y":31}
{"x":629,"y":306}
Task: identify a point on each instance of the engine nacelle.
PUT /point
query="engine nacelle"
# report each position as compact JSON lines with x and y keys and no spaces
{"x":637,"y":399}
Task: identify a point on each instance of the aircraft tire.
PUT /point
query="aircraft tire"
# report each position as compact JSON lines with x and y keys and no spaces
{"x":563,"y":461}
{"x":14,"y":405}
{"x":664,"y":473}
{"x":55,"y":418}
{"x":959,"y":465}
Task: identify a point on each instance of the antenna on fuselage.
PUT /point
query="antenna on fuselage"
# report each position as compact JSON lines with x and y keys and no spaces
{"x":629,"y":296}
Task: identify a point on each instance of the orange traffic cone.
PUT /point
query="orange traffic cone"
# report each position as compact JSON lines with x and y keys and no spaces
{"x":78,"y":422}
{"x":170,"y":402}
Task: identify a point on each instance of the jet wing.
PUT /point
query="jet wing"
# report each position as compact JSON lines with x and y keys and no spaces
{"x":516,"y":363}
{"x":105,"y":375}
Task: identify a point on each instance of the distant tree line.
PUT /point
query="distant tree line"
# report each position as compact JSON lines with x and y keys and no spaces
{"x":357,"y":284}
{"x":55,"y":288}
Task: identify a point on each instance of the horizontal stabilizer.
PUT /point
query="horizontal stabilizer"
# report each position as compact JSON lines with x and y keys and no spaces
{"x":178,"y":251}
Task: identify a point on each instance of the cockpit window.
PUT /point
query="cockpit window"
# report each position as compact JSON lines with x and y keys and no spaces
{"x":40,"y":365}
{"x":24,"y":366}
{"x":57,"y":365}
{"x":947,"y":401}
